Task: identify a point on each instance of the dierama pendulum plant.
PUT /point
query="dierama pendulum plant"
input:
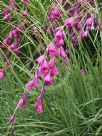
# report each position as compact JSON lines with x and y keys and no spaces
{"x":76,"y":26}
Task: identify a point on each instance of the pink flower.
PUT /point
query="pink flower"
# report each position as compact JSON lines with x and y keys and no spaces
{"x":21,"y":104}
{"x":61,"y":52}
{"x":89,"y":21}
{"x":12,"y":118}
{"x":70,"y":22}
{"x":13,"y":46}
{"x":1,"y":74}
{"x":59,"y":38}
{"x":51,"y":50}
{"x":82,"y":72}
{"x":11,"y":4}
{"x":22,"y":101}
{"x":74,"y":39}
{"x":7,"y":63}
{"x":44,"y":68}
{"x":30,"y":85}
{"x":48,"y":80}
{"x":38,"y":105}
{"x":84,"y":34}
{"x":41,"y":59}
{"x":25,"y":12}
{"x":6,"y":14}
{"x":16,"y":50}
{"x":54,"y":13}
{"x":52,"y":68}
{"x":36,"y":80}
{"x":39,"y":108}
{"x":25,"y":1}
{"x":64,"y":2}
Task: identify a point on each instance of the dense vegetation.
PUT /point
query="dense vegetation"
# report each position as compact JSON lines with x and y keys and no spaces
{"x":50,"y":68}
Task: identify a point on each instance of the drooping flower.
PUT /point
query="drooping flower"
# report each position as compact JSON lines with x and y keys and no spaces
{"x":1,"y":74}
{"x":11,"y":119}
{"x":89,"y":21}
{"x":41,"y":59}
{"x":84,"y":34}
{"x":61,"y":52}
{"x":25,"y":1}
{"x":11,"y":4}
{"x":64,"y":2}
{"x":52,"y":67}
{"x":21,"y":104}
{"x":54,"y":13}
{"x":38,"y":105}
{"x":36,"y":80}
{"x":6,"y":14}
{"x":25,"y":12}
{"x":30,"y":85}
{"x":44,"y":68}
{"x":51,"y":50}
{"x":82,"y":72}
{"x":48,"y":80}
{"x":59,"y":38}
{"x":74,"y":39}
{"x":70,"y":22}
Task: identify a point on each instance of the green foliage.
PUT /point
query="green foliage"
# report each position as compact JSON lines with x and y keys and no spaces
{"x":73,"y":105}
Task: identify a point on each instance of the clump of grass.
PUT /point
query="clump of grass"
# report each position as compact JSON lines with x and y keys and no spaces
{"x":72,"y":106}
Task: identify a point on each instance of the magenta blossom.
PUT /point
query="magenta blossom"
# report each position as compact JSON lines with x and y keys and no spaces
{"x":70,"y":22}
{"x":36,"y":80}
{"x":11,"y":119}
{"x":74,"y":39}
{"x":61,"y":52}
{"x":89,"y":21}
{"x":11,"y":4}
{"x":52,"y":68}
{"x":6,"y":14}
{"x":1,"y":74}
{"x":41,"y":59}
{"x":54,"y":13}
{"x":30,"y":85}
{"x":82,"y":72}
{"x":38,"y":105}
{"x":21,"y":104}
{"x":48,"y":80}
{"x":25,"y":1}
{"x":51,"y":50}
{"x":84,"y":34}
{"x":44,"y":68}
{"x":59,"y":38}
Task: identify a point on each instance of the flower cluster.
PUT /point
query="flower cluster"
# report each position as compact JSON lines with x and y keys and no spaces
{"x":13,"y":39}
{"x":54,"y":13}
{"x":14,"y":36}
{"x":81,"y":21}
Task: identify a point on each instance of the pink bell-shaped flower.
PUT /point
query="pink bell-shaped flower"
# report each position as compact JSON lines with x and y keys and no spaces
{"x":48,"y":80}
{"x":44,"y":68}
{"x":1,"y":74}
{"x":59,"y":38}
